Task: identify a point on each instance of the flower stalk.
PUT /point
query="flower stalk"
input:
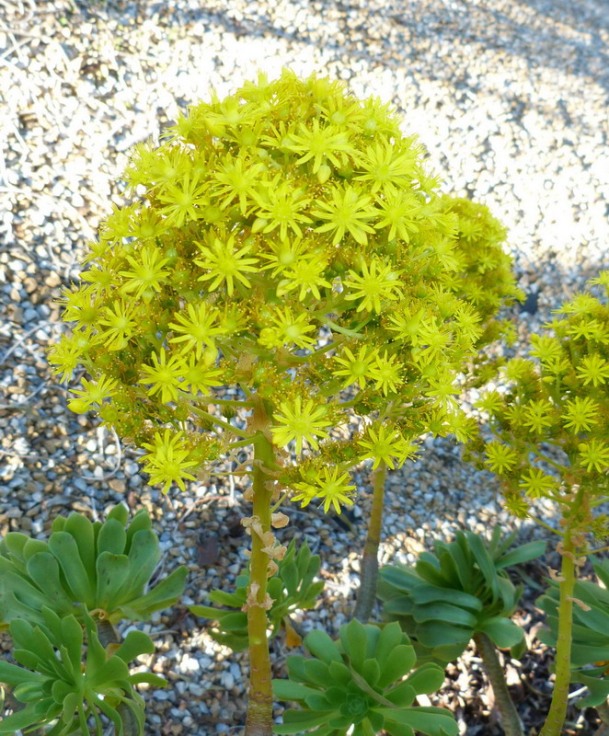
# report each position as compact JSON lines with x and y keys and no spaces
{"x":369,"y":565}
{"x":259,"y":714}
{"x":558,"y":707}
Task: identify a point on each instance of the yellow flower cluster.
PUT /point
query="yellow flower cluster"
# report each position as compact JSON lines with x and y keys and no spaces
{"x":288,"y":245}
{"x":550,"y":428}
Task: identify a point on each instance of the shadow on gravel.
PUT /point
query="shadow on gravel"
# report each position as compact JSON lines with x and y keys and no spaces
{"x":400,"y":35}
{"x":594,"y":15}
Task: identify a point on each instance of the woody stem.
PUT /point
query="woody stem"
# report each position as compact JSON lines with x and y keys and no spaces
{"x":510,"y":720}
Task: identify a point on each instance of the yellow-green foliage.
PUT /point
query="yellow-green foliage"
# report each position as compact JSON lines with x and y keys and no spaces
{"x":287,"y":243}
{"x":550,"y":425}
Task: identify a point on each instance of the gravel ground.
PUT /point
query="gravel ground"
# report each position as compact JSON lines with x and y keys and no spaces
{"x":510,"y":99}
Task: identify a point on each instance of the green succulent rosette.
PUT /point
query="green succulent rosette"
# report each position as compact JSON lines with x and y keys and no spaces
{"x":103,"y":569}
{"x":293,"y":587}
{"x":361,"y":684}
{"x":459,"y":590}
{"x":66,"y":693}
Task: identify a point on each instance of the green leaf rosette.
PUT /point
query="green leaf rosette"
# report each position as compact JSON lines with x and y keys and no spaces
{"x":457,"y":591}
{"x":366,"y":681}
{"x":293,"y":587}
{"x":70,"y":695}
{"x":103,"y":568}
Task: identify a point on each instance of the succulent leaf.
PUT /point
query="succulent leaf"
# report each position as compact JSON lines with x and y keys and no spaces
{"x":134,"y":644}
{"x":520,"y":555}
{"x":112,"y":572}
{"x":163,"y":595}
{"x":64,"y":548}
{"x":425,"y":720}
{"x":112,"y":537}
{"x":503,"y":632}
{"x":79,"y":526}
{"x":43,"y":569}
{"x":400,"y":660}
{"x":120,"y":513}
{"x":321,"y":645}
{"x":32,"y":547}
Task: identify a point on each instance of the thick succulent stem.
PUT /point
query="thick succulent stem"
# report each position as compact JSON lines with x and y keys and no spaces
{"x":558,"y":707}
{"x":508,"y":715}
{"x":369,"y":565}
{"x":260,"y":699}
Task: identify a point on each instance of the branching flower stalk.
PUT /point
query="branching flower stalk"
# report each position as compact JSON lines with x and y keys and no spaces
{"x":571,"y":544}
{"x":288,"y":280}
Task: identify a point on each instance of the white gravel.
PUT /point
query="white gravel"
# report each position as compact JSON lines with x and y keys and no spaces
{"x":510,"y":99}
